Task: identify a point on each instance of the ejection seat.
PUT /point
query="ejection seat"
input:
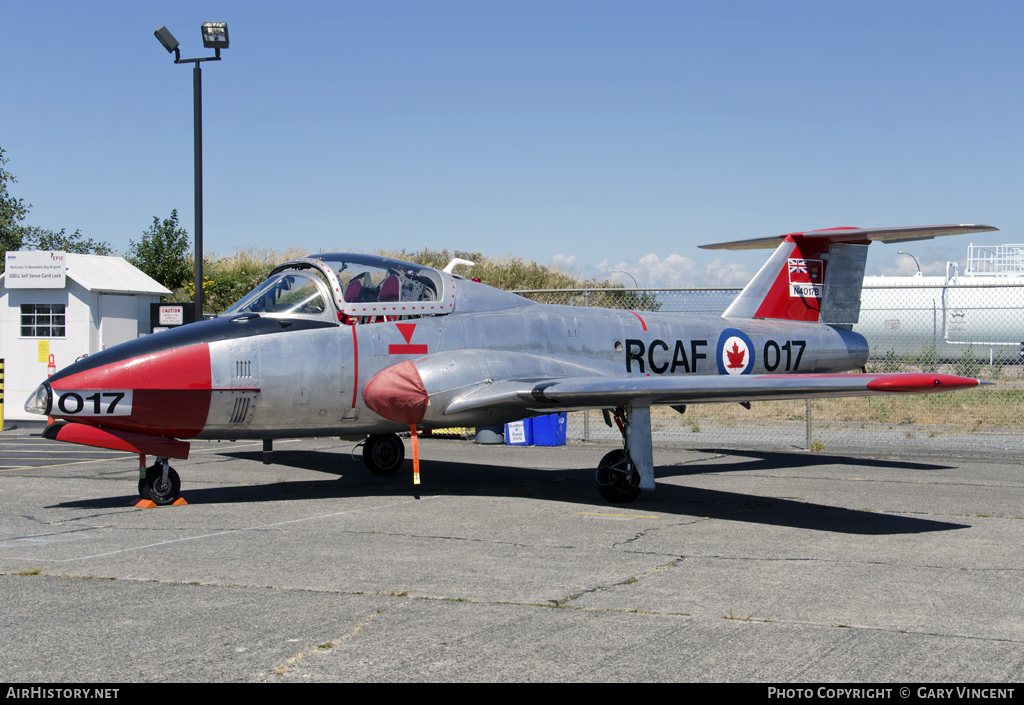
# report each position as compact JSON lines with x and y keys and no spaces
{"x":354,"y":290}
{"x":390,"y":291}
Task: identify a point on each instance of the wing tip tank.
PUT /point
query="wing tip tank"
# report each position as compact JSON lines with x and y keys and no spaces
{"x":920,"y":383}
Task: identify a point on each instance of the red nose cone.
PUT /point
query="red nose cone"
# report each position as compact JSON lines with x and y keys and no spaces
{"x":397,"y":394}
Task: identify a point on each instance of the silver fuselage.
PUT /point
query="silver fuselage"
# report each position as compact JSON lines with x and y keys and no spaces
{"x":310,"y":382}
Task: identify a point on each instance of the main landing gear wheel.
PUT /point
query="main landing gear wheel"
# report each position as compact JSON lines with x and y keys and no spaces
{"x":617,"y":480}
{"x":383,"y":454}
{"x":153,"y":487}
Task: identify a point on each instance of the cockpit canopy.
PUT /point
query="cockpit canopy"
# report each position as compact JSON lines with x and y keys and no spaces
{"x":284,"y":293}
{"x":364,"y":288}
{"x":384,"y":282}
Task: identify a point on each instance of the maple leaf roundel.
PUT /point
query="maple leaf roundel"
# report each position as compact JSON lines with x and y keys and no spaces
{"x":735,"y":353}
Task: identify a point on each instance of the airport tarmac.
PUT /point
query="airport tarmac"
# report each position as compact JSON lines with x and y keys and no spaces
{"x":506,"y":565}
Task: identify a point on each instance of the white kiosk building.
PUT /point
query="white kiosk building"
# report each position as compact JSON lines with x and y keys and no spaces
{"x":56,"y":307}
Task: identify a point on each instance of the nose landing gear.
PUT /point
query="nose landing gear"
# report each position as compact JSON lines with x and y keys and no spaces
{"x":160,"y":483}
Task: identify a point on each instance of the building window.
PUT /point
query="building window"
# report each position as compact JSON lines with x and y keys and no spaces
{"x":42,"y":320}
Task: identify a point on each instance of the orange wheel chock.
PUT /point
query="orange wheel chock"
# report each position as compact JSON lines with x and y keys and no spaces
{"x":150,"y":504}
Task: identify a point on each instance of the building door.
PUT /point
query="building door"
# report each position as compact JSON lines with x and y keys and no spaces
{"x":119,"y":319}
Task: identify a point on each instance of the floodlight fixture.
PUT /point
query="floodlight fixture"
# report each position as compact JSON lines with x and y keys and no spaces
{"x":215,"y":35}
{"x":167,"y":39}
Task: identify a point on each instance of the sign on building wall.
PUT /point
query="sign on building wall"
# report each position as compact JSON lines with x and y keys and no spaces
{"x":172,"y":315}
{"x":35,"y":270}
{"x":164,"y":316}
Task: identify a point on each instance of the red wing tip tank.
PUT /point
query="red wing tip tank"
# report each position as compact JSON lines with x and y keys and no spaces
{"x":363,"y":345}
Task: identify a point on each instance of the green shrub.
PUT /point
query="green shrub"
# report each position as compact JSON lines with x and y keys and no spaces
{"x":889,"y":362}
{"x":928,"y":359}
{"x":968,"y":365}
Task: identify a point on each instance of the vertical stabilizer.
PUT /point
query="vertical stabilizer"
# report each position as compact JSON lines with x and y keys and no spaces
{"x":789,"y":286}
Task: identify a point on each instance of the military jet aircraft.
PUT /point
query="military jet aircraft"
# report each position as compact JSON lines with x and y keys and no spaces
{"x":368,"y":346}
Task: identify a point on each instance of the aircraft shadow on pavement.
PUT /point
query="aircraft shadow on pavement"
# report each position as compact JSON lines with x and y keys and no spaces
{"x":776,"y":460}
{"x":332,"y":462}
{"x":352,"y":479}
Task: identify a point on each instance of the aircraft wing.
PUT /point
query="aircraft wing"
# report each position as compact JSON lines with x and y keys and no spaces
{"x":570,"y":393}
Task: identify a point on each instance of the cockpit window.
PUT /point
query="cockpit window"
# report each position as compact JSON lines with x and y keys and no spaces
{"x":283,"y":293}
{"x":361,"y":283}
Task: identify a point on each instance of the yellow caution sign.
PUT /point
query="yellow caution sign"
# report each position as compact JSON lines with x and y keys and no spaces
{"x":454,"y":431}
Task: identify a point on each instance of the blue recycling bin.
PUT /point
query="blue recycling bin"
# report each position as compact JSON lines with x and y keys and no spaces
{"x":549,"y":430}
{"x":519,"y":433}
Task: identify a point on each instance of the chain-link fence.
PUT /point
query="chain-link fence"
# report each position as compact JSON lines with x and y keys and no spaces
{"x":973,"y":329}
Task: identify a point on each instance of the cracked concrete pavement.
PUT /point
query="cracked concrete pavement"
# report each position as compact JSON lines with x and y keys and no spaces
{"x":506,"y":565}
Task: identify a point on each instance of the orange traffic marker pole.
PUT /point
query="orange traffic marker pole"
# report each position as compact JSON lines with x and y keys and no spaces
{"x":415,"y":457}
{"x":50,"y":369}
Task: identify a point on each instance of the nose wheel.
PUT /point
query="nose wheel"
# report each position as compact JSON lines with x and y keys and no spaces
{"x":383,"y":454}
{"x":161,"y":484}
{"x":617,"y":479}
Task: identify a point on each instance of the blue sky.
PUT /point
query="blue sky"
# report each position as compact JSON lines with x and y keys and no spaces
{"x":601,"y":135}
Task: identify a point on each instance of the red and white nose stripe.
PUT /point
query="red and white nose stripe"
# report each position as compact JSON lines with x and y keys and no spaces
{"x":166,"y":392}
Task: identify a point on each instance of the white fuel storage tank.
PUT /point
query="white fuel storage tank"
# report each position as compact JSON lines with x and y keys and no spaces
{"x":979,"y":312}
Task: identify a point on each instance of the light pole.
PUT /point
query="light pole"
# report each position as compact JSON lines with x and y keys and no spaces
{"x":215,"y":36}
{"x":901,"y":252}
{"x":622,"y":271}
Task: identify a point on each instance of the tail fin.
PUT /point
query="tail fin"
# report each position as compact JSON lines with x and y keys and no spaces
{"x":817,"y":275}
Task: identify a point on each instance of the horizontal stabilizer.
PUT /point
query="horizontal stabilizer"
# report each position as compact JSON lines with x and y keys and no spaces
{"x":861,"y":236}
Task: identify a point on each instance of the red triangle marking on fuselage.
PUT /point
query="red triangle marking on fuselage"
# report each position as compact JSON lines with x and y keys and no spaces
{"x":406,"y":329}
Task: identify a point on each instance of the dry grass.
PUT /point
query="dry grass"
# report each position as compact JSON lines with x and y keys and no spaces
{"x":995,"y":408}
{"x":253,"y":257}
{"x":506,"y":272}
